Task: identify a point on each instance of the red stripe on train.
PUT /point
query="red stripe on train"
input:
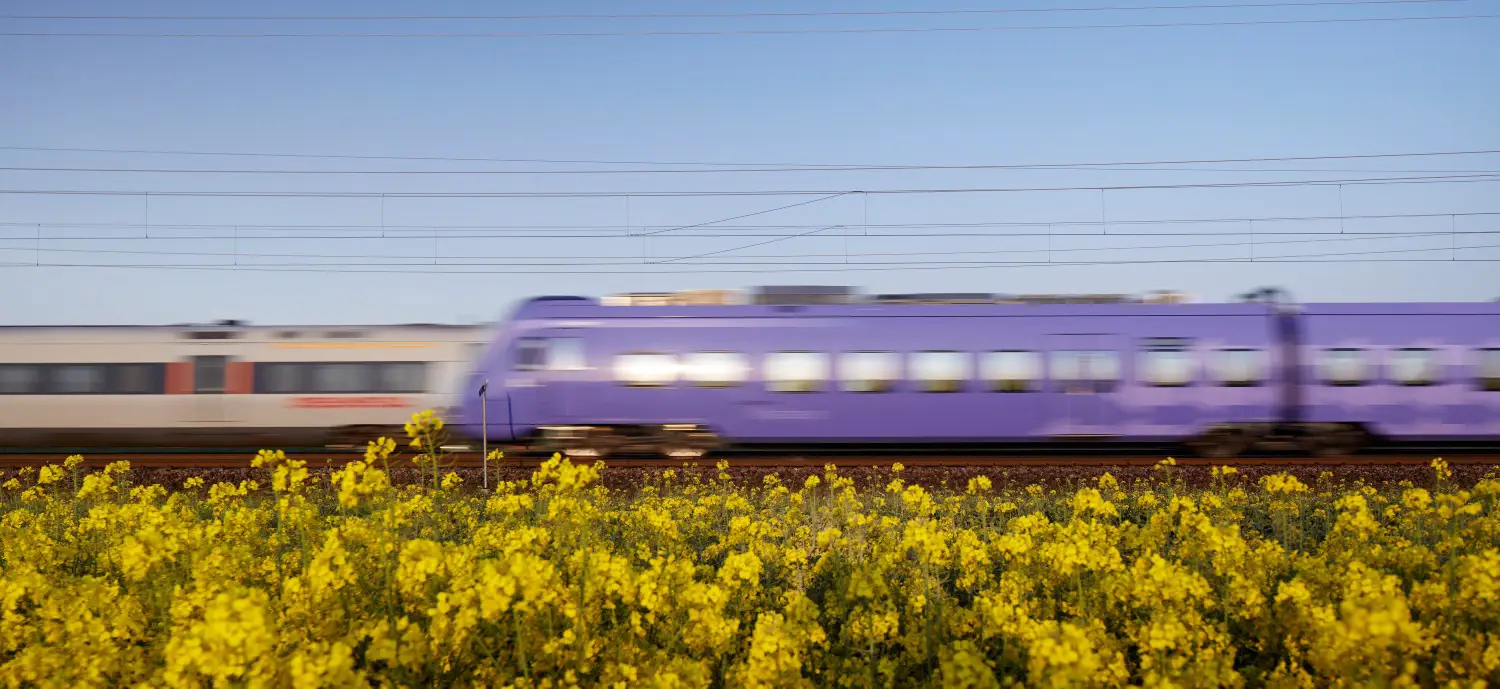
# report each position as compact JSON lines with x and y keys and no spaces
{"x":348,"y":402}
{"x":179,"y":378}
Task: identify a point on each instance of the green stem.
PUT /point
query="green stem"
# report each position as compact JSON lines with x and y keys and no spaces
{"x":521,"y":646}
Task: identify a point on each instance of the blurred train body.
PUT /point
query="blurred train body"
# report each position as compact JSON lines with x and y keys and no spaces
{"x":684,"y":373}
{"x":224,"y":385}
{"x":811,"y":367}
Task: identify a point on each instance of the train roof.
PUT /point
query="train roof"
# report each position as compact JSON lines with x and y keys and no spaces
{"x":256,"y":333}
{"x":589,"y":308}
{"x":242,"y":326}
{"x":1402,"y":309}
{"x":832,"y":302}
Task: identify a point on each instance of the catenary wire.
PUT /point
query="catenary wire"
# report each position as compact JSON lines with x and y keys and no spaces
{"x":893,"y":235}
{"x":737,"y":217}
{"x":1278,"y":159}
{"x":669,"y":171}
{"x":715,"y":15}
{"x":1429,"y":179}
{"x":654,"y":269}
{"x":618,"y":260}
{"x":937,"y":235}
{"x":742,"y":32}
{"x":616,"y":230}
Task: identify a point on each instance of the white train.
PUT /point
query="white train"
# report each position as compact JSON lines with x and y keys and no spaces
{"x":226,"y":384}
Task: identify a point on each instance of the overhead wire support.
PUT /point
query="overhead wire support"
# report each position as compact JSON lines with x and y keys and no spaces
{"x":1103,"y":219}
{"x":1341,"y":208}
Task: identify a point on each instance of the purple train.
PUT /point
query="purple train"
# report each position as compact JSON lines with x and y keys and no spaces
{"x":683,"y":376}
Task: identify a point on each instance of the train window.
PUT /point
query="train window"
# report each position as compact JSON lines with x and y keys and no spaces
{"x":531,"y":354}
{"x":1344,"y":366}
{"x":1489,"y":369}
{"x":1077,"y":371}
{"x":345,"y":378}
{"x":403,"y":376}
{"x":646,"y":369}
{"x":136,"y":379}
{"x":1173,"y":367}
{"x":565,"y":354}
{"x":869,"y":371}
{"x":279,"y":379}
{"x":341,"y":378}
{"x":796,"y":371}
{"x":208,"y":374}
{"x":1414,"y":366}
{"x":940,"y":371}
{"x":1239,"y":367}
{"x":20,"y":379}
{"x":716,"y":369}
{"x":1011,"y":371}
{"x":77,"y":379}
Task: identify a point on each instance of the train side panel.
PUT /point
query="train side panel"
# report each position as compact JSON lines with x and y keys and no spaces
{"x":894,"y":374}
{"x":184,"y":386}
{"x":370,"y":385}
{"x":36,"y":414}
{"x":1404,"y":371}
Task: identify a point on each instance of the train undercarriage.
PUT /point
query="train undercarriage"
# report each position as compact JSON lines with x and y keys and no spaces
{"x":692,"y":441}
{"x":675,"y":441}
{"x":1316,"y":439}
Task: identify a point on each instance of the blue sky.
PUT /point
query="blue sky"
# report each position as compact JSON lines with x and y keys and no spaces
{"x":935,"y":98}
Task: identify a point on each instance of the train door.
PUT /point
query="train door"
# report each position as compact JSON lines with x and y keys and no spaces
{"x":566,"y":372}
{"x":209,"y":377}
{"x":546,"y":368}
{"x":1085,"y":371}
{"x":524,"y":365}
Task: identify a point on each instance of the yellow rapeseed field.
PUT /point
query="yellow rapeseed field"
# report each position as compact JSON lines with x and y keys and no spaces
{"x":683,"y":581}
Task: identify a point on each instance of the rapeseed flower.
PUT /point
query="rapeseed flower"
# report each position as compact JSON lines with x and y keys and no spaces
{"x":693,"y":580}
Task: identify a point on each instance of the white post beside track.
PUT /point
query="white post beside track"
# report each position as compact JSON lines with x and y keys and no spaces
{"x":484,"y":411}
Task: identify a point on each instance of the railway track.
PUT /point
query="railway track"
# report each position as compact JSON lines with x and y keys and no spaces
{"x":321,"y":458}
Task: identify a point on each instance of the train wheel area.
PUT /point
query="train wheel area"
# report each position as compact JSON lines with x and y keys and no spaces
{"x":1317,"y":440}
{"x":671,"y":441}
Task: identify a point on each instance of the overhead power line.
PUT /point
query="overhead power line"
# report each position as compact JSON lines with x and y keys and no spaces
{"x":375,"y":235}
{"x":750,"y":246}
{"x":1429,"y":179}
{"x":800,"y":168}
{"x":780,"y":259}
{"x":738,"y":217}
{"x":616,"y":231}
{"x":1198,"y":161}
{"x":743,"y":32}
{"x":710,"y":15}
{"x":657,"y":269}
